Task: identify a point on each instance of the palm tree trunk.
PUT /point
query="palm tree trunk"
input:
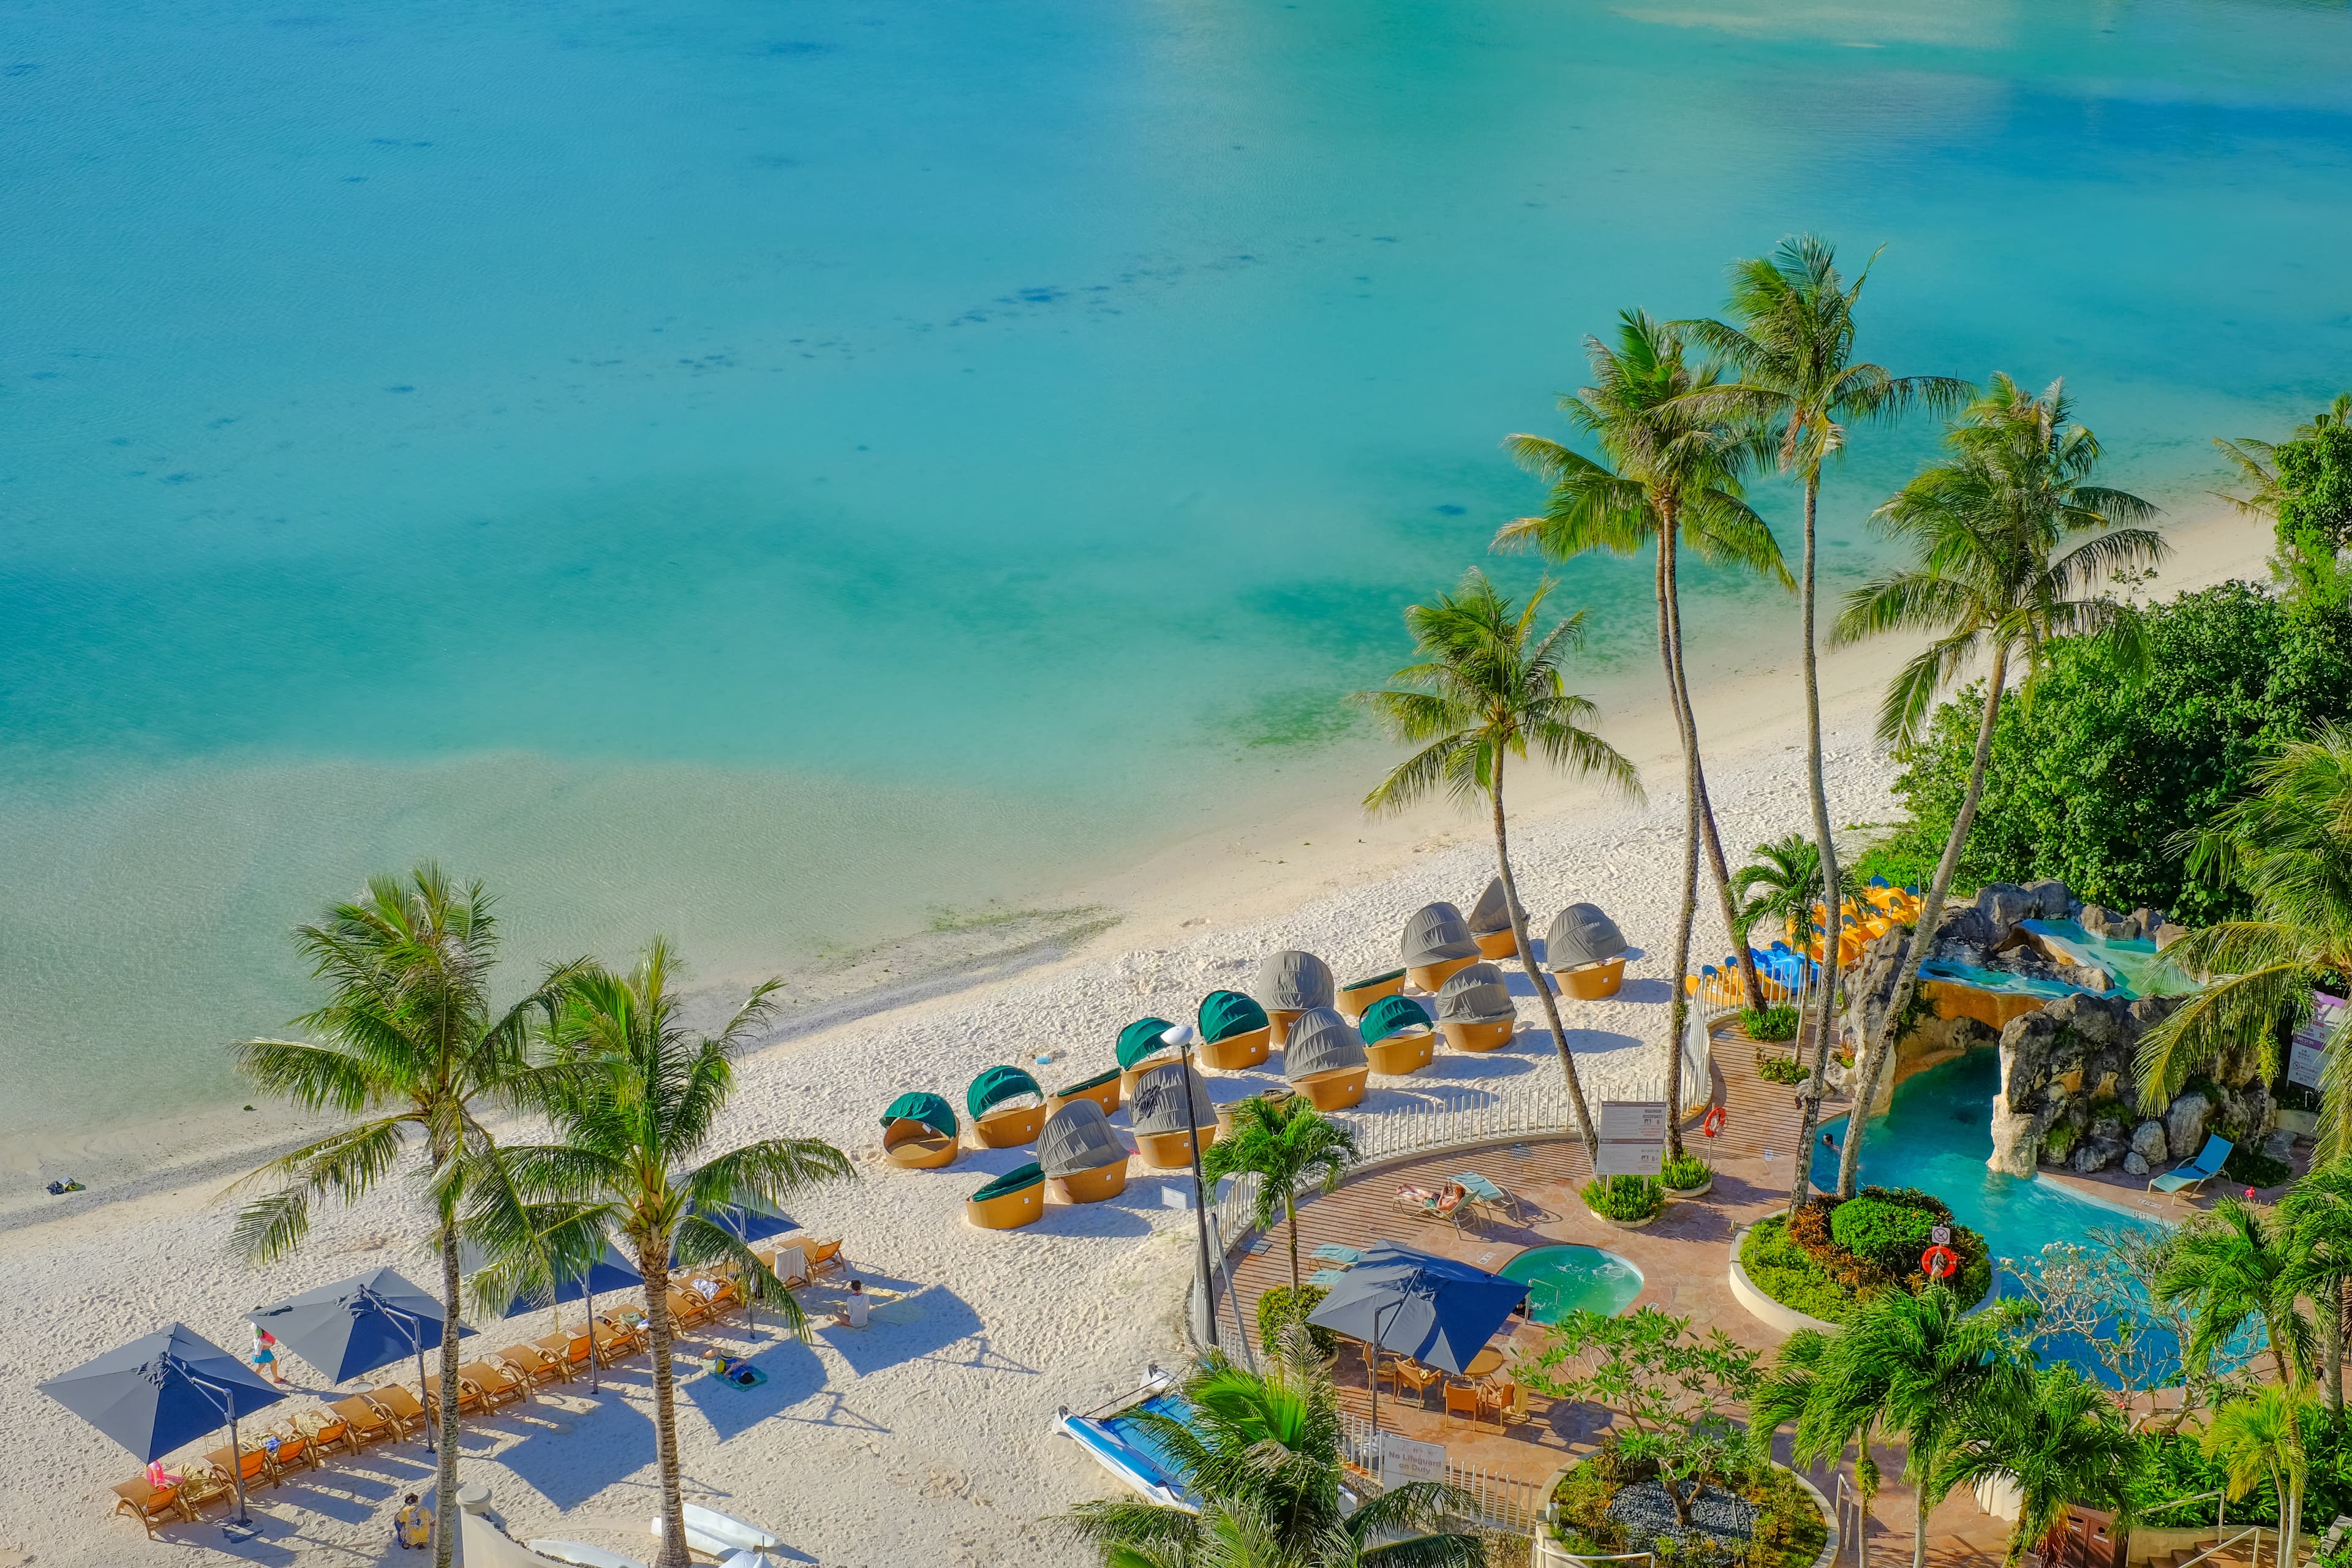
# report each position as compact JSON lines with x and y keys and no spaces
{"x":2331,"y":1320}
{"x":1919,"y":1524}
{"x":656,"y":1269}
{"x":1678,"y":1004}
{"x":1290,"y":1217}
{"x":1535,"y":975}
{"x":445,"y":1484}
{"x":1809,"y":1104}
{"x":1931,"y":911}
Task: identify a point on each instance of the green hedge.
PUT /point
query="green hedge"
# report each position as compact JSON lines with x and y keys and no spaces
{"x":1280,"y":1308}
{"x":1891,"y":1236}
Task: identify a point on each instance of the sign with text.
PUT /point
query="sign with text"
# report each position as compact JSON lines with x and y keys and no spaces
{"x":2308,"y":1054}
{"x":1402,"y":1459}
{"x":1632,"y":1138}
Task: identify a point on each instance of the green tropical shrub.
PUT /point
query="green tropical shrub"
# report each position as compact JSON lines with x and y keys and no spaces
{"x":1774,"y":1068}
{"x":2252,"y":1168}
{"x":1889,"y":1236}
{"x":1801,"y":1261}
{"x":1685,"y":1171}
{"x":1770,"y":1022}
{"x":1625,"y":1197}
{"x":2092,"y":779}
{"x":1281,"y":1307}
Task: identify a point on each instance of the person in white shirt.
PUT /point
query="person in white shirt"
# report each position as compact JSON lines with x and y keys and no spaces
{"x":854,"y":1310}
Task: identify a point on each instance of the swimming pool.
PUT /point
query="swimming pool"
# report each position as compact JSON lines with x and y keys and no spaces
{"x":1569,"y":1279}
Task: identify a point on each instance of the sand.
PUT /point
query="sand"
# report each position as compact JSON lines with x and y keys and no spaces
{"x":927,"y":1435}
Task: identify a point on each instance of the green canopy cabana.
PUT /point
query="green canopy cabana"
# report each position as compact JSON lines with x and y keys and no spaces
{"x":996,"y":1086}
{"x":1224,"y":1014}
{"x":927,"y":1108}
{"x":1013,"y":1180}
{"x":1141,"y":1039}
{"x":1392,"y":1016}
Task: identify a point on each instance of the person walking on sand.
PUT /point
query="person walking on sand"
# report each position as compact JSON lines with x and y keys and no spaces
{"x":264,"y":1355}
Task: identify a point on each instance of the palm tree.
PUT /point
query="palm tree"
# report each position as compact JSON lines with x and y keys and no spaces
{"x":1283,"y":1144}
{"x":1672,"y":479}
{"x":1985,"y":525}
{"x":1792,"y":350}
{"x":2288,"y":846}
{"x":2230,"y":1264}
{"x":1261,"y":1453}
{"x":1828,"y":1422}
{"x":634,"y":1113}
{"x":2058,"y":1440}
{"x":2317,"y":1214}
{"x":2260,"y":1438}
{"x":1486,"y":688}
{"x":1779,"y":886}
{"x":409,"y":1047}
{"x":1912,"y":1367}
{"x":2257,"y":461}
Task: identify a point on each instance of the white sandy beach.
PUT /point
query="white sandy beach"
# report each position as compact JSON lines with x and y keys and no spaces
{"x":926,"y":1438}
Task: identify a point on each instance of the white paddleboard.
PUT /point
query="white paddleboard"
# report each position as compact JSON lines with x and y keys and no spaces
{"x":580,"y":1553}
{"x":715,"y":1535}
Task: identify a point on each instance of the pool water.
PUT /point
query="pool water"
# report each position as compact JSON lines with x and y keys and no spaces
{"x":1564,"y":1280}
{"x":2131,"y":960}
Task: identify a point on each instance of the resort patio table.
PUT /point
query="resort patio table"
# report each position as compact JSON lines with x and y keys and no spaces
{"x":1486,"y":1360}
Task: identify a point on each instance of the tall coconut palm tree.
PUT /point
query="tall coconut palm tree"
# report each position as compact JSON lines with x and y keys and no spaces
{"x":635,"y":1111}
{"x":409,"y":1047}
{"x":1284,"y":1144}
{"x":1779,"y":886}
{"x":2317,"y":1215}
{"x":1790,"y":345}
{"x":1261,"y":1452}
{"x":2229,"y":1266}
{"x":1672,"y":479}
{"x":1988,"y":581}
{"x":2261,"y":1438}
{"x":1913,"y":1367}
{"x":2288,"y":846}
{"x":1486,"y":688}
{"x":2057,"y":1439}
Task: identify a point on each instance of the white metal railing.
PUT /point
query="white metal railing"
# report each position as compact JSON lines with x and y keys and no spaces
{"x":2254,"y":1558}
{"x":1495,"y":1502}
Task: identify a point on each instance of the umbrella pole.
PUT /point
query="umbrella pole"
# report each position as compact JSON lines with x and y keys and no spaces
{"x":588,"y":1291}
{"x":236,"y":1467}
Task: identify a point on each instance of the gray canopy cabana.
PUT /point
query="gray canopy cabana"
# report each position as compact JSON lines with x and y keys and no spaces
{"x":1326,"y":1061}
{"x":1079,"y":1150}
{"x":1159,"y":1100}
{"x":1490,"y":922}
{"x":1475,"y":1011}
{"x":1291,"y":980}
{"x":1436,"y":934}
{"x":1582,"y":934}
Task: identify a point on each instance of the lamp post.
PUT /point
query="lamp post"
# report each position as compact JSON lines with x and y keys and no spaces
{"x":1181,"y":1037}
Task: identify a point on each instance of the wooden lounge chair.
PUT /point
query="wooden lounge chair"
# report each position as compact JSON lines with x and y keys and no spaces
{"x":1462,"y":1402}
{"x":823,"y":1256}
{"x":500,"y":1384}
{"x":328,"y":1431}
{"x":365,"y":1421}
{"x":295,"y":1449}
{"x":534,"y":1365}
{"x":471,"y":1399}
{"x":2190,"y":1175}
{"x":258,"y":1471}
{"x":151,"y":1506}
{"x":569,"y":1350}
{"x":202,"y":1488}
{"x":617,"y":1339}
{"x":395,"y":1398}
{"x":687,"y":1310}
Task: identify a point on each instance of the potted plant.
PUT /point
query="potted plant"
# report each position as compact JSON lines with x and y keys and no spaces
{"x":1625,"y":1203}
{"x":1687,"y":1176}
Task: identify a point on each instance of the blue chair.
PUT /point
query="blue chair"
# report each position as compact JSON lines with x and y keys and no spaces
{"x":2195,"y":1174}
{"x":1327,"y":1278}
{"x":1332,"y":1252}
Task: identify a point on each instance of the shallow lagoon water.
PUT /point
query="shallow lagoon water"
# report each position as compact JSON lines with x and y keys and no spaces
{"x":768,"y":473}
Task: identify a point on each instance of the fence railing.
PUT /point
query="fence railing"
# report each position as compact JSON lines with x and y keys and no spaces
{"x":1495,"y":1502}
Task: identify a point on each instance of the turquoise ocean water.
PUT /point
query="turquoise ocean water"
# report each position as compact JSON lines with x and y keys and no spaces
{"x":766,"y":472}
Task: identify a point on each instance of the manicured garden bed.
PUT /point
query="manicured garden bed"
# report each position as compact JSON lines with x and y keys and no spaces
{"x":1822,"y":1263}
{"x":1751,"y":1513}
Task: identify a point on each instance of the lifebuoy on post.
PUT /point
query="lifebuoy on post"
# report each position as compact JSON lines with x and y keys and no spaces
{"x":1939,"y":1262}
{"x":1713,"y":1122}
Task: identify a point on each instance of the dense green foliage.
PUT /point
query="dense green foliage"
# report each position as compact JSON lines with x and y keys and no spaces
{"x":1787,"y":1273}
{"x":1281,"y":1307}
{"x":1788,"y":1531}
{"x":1774,"y":1068}
{"x":2175,"y":1465}
{"x":1624,"y":1197}
{"x":1890,"y":1236}
{"x":1775,"y":1023}
{"x":2092,"y":779}
{"x":1824,"y":1263}
{"x":1685,"y":1172}
{"x":2315,"y":510}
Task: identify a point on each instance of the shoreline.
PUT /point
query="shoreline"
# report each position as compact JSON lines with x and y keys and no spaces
{"x":1307,"y":839}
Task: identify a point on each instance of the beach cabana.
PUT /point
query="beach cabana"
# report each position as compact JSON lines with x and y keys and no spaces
{"x":1006,"y":1108}
{"x":1165,"y":1116}
{"x":1015,"y":1199}
{"x":1234,"y":1032}
{"x":1140,"y":1049}
{"x":1081,"y":1155}
{"x":1490,"y":923}
{"x":1475,"y":1011}
{"x":920,"y":1132}
{"x":1325,"y":1060}
{"x":1357,"y":996}
{"x":1397,"y":1036}
{"x":1102,"y":1090}
{"x":1437,"y":946}
{"x":1290,"y":982}
{"x":1585,"y":949}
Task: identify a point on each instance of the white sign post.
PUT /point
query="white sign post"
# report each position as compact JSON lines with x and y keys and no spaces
{"x":1402,"y":1459}
{"x":1632,"y":1138}
{"x":2308,"y":1054}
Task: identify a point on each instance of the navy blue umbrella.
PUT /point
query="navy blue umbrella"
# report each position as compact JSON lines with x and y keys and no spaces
{"x":357,"y":1325}
{"x":164,"y":1391}
{"x":612,"y":1271}
{"x":1432,"y":1310}
{"x":748,"y":1222}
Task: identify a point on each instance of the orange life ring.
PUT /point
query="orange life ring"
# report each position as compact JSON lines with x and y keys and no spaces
{"x":1713,"y":1122}
{"x":1939,"y":1263}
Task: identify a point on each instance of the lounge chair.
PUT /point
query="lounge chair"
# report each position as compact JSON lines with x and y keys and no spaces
{"x":295,"y":1449}
{"x":1327,"y":1278}
{"x":202,"y":1488}
{"x":366,"y":1421}
{"x":569,"y":1350}
{"x":687,"y":1310}
{"x":2194,"y":1173}
{"x":1412,"y":1374}
{"x":1332,"y":1252}
{"x":534,"y":1365}
{"x":151,"y":1506}
{"x":1496,"y":1200}
{"x":1446,"y":1203}
{"x":789,"y":1265}
{"x":471,"y":1398}
{"x":619,"y":1338}
{"x":252,"y":1459}
{"x":395,"y":1398}
{"x":500,"y":1384}
{"x":823,"y":1256}
{"x":328,"y":1431}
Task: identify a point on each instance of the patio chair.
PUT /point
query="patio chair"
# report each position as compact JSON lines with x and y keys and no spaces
{"x":500,"y":1384}
{"x":1462,"y":1402}
{"x":687,"y":1310}
{"x":1419,"y":1378}
{"x":295,"y":1449}
{"x":534,"y":1365}
{"x":569,"y":1350}
{"x":200,"y":1488}
{"x":1327,"y":1278}
{"x":472,"y":1398}
{"x":2189,"y":1176}
{"x":1332,"y":1252}
{"x":328,"y":1430}
{"x":396,"y":1399}
{"x":1510,"y":1403}
{"x":365,"y":1421}
{"x":1496,"y":1200}
{"x":619,"y":1338}
{"x":253,"y":1460}
{"x":151,"y":1506}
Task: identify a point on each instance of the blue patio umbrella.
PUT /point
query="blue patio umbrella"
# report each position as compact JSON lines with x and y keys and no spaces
{"x":357,"y":1325}
{"x":611,"y":1271}
{"x":163,"y":1391}
{"x":1432,"y":1310}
